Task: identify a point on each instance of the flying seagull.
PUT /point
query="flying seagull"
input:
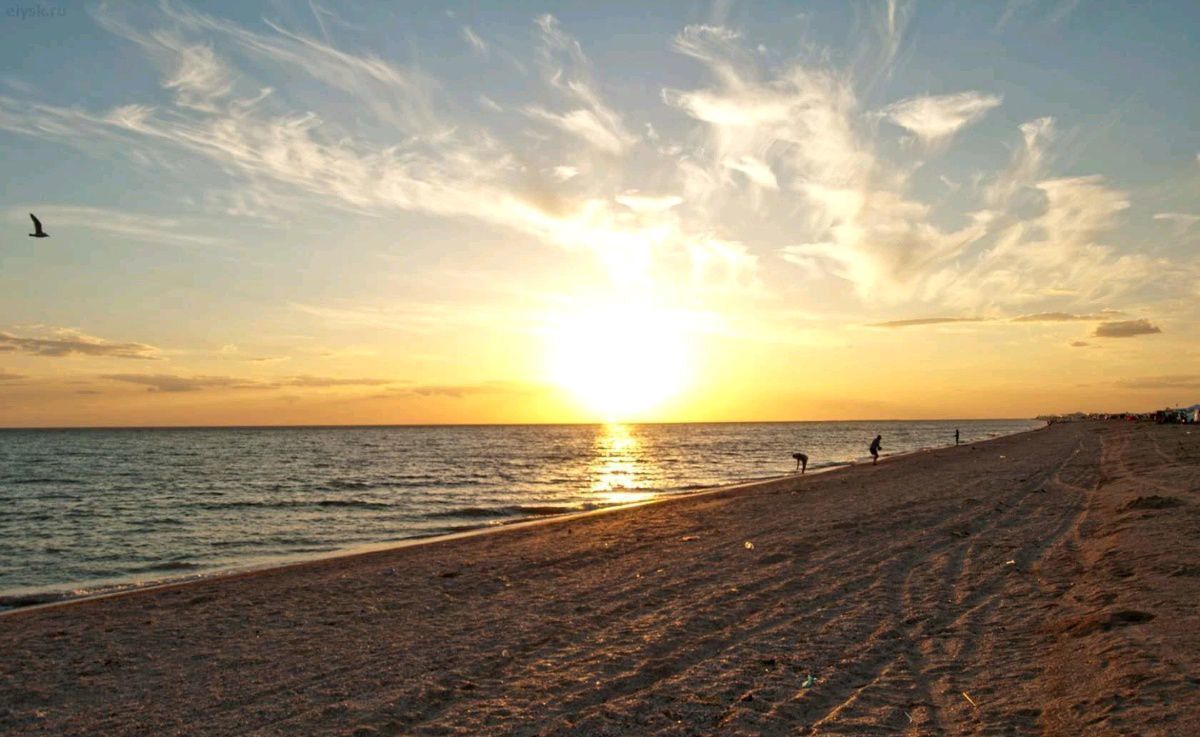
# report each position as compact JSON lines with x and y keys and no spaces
{"x":37,"y":228}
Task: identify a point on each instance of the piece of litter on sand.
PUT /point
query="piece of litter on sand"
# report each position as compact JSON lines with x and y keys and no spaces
{"x":967,"y":696}
{"x":809,"y":682}
{"x":1010,"y":562}
{"x":689,"y":538}
{"x":749,"y":545}
{"x":908,"y":715}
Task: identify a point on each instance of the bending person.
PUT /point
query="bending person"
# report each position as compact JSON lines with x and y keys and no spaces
{"x":801,"y":462}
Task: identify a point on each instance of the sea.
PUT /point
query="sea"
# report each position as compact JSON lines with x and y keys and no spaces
{"x":85,"y":511}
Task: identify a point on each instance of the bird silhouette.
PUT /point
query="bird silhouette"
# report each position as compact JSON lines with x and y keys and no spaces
{"x":37,"y":228}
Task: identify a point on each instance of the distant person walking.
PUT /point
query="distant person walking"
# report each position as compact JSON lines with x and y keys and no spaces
{"x":876,"y":446}
{"x":801,"y":462}
{"x":956,"y":436}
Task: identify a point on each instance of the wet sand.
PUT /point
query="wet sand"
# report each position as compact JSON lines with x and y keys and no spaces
{"x":1044,"y":583}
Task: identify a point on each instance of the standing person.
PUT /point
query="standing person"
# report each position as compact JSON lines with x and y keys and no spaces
{"x":876,"y":446}
{"x":956,"y":436}
{"x":801,"y":462}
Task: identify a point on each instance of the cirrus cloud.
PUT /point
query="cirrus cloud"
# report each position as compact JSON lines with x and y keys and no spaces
{"x":936,"y":118}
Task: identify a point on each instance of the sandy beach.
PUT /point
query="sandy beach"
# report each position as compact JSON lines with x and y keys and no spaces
{"x":1044,"y":583}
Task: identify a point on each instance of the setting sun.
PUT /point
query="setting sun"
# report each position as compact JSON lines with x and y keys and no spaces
{"x":619,"y":360}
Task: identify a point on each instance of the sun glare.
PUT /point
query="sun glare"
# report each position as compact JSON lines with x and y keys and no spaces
{"x":619,"y":360}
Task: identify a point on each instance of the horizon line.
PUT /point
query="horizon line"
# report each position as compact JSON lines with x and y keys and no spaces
{"x":316,"y":426}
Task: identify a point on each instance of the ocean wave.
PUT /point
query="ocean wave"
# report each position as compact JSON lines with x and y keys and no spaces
{"x":340,"y":484}
{"x":481,"y":512}
{"x":514,"y":510}
{"x":151,"y":523}
{"x":168,"y":565}
{"x":293,"y":503}
{"x":272,"y":541}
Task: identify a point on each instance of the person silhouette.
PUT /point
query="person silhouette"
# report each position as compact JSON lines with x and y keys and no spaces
{"x":801,"y":462}
{"x":956,"y":436}
{"x":876,"y":446}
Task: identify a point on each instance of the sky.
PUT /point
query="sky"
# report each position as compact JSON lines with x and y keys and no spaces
{"x":375,"y":213}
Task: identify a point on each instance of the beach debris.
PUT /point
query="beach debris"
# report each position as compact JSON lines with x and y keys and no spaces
{"x":967,"y":696}
{"x":1010,"y":562}
{"x":809,"y":682}
{"x":909,"y":717}
{"x":749,"y":545}
{"x":689,"y":538}
{"x":390,"y":572}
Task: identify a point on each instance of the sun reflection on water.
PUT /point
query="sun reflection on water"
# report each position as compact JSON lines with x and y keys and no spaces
{"x":617,"y":466}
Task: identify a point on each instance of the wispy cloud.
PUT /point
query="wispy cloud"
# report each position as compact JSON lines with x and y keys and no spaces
{"x":799,"y":130}
{"x":1030,"y":240}
{"x":1125,"y":329}
{"x":568,"y":70}
{"x":585,"y":124}
{"x":936,"y":118}
{"x":1185,"y":381}
{"x":1180,"y":221}
{"x":330,"y":381}
{"x":1042,"y":15}
{"x":478,"y":45}
{"x":1031,"y":318}
{"x":1066,"y":317}
{"x":173,"y":383}
{"x":66,"y":342}
{"x":459,"y":391}
{"x":924,"y":321}
{"x":6,"y":376}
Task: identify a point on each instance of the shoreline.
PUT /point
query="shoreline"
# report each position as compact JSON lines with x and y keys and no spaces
{"x":128,"y":586}
{"x":519,"y":523}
